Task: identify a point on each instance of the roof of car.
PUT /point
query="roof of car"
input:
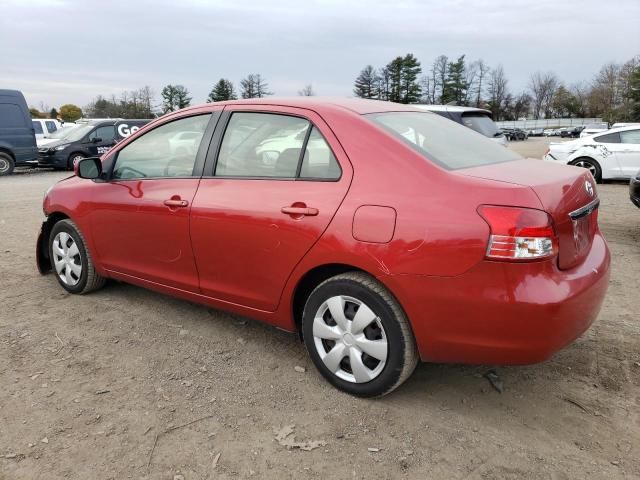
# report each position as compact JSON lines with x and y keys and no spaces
{"x":356,"y":105}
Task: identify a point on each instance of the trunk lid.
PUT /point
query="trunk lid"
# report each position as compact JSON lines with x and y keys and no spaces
{"x":566,"y":193}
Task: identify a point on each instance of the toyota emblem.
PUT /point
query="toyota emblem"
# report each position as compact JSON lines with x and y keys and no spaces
{"x":588,"y":187}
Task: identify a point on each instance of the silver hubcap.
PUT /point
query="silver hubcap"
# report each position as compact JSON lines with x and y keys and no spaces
{"x":66,"y":258}
{"x":76,"y":159}
{"x":350,"y":339}
{"x":4,"y":165}
{"x":588,"y":166}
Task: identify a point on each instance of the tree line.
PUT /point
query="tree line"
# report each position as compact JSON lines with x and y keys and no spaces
{"x":613,"y":93}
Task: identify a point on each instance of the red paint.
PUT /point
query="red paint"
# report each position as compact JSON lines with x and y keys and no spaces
{"x":239,"y":246}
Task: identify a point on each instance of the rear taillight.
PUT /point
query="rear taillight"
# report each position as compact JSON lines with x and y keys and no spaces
{"x":519,"y":233}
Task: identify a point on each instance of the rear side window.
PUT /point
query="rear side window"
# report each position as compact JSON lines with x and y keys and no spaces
{"x":630,"y":136}
{"x":261,"y":145}
{"x":11,"y":116}
{"x":608,"y":138}
{"x":446,"y":143}
{"x":319,"y":162}
{"x":37,"y":126}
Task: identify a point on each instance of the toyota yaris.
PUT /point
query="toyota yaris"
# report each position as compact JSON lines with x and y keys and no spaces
{"x":382,"y":234}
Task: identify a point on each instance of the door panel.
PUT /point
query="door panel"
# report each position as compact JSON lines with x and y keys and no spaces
{"x":140,"y":217}
{"x":245,"y":245}
{"x":629,"y":153}
{"x":136,"y":233}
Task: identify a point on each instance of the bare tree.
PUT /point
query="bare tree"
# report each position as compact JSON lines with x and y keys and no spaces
{"x":497,"y":90}
{"x":439,"y":71}
{"x":307,"y":91}
{"x":482,"y":70}
{"x":543,"y":87}
{"x":254,"y":86}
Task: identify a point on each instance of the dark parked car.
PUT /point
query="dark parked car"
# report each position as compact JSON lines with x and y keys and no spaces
{"x":571,"y":132}
{"x":17,"y":138}
{"x":513,"y":134}
{"x":381,"y":233}
{"x":634,"y":190}
{"x":90,"y":139}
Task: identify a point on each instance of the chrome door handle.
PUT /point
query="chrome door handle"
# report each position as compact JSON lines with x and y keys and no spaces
{"x":174,"y":203}
{"x":301,"y":211}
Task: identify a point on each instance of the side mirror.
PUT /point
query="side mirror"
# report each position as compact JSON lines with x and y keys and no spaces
{"x":89,"y":168}
{"x":96,"y":140}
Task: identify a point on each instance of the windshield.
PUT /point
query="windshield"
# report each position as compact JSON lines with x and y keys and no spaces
{"x":72,"y":134}
{"x":442,"y":141}
{"x":481,"y":123}
{"x":598,"y":126}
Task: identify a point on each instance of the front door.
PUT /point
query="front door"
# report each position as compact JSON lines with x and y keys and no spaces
{"x":101,"y":140}
{"x":140,"y":216}
{"x":277,"y":181}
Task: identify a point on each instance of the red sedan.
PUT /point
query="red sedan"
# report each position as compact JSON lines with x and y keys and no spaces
{"x":382,"y":234}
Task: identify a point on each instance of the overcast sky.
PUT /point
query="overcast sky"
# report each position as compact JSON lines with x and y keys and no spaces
{"x":59,"y":51}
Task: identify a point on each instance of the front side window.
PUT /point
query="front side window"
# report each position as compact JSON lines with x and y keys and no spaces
{"x":261,"y":145}
{"x":37,"y":126}
{"x":162,"y":152}
{"x":105,"y":133}
{"x":446,"y":143}
{"x":630,"y":136}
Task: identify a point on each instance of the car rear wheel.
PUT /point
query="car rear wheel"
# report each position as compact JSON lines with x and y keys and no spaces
{"x":6,"y":164}
{"x":592,"y":165}
{"x":70,"y":259}
{"x":73,"y":159}
{"x":358,"y":336}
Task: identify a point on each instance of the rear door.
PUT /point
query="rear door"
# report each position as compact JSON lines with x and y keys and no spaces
{"x":270,"y":189}
{"x":629,"y":153}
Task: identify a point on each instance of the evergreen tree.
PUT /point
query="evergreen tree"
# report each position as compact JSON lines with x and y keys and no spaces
{"x":455,"y":85}
{"x":410,"y":87}
{"x":394,"y":69}
{"x":53,"y":113}
{"x":175,"y":97}
{"x":367,"y":85}
{"x":223,"y":90}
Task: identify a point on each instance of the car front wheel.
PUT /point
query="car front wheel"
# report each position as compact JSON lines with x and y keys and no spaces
{"x":6,"y":164}
{"x":70,"y":259}
{"x":73,"y":159}
{"x":358,"y":335}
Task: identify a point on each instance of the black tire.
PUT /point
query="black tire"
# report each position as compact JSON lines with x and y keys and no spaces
{"x":88,"y":280}
{"x":592,"y":165}
{"x":402,"y":354}
{"x":6,"y":164}
{"x":72,"y":159}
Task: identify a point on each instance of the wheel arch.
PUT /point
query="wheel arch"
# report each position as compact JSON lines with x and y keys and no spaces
{"x":310,"y":280}
{"x":593,"y":160}
{"x":42,"y":248}
{"x":8,"y":151}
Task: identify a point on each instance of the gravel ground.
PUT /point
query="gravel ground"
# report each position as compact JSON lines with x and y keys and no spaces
{"x":127,"y":383}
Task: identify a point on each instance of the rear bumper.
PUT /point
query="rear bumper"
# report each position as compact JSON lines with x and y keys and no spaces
{"x":504,"y":313}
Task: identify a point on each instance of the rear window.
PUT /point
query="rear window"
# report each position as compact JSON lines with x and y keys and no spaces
{"x":442,"y":141}
{"x":481,"y":123}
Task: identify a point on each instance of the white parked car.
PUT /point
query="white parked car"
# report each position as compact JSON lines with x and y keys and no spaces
{"x":593,"y":128}
{"x":613,"y":154}
{"x":44,"y":127}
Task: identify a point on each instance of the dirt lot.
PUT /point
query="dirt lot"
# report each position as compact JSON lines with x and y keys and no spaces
{"x":102,"y":386}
